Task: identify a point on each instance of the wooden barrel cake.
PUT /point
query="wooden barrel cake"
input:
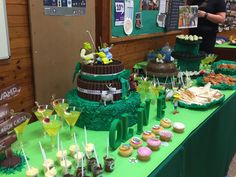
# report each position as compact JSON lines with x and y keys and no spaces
{"x":95,"y":80}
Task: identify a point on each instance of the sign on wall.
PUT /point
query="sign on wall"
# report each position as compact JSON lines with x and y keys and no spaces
{"x":4,"y":37}
{"x":64,"y":7}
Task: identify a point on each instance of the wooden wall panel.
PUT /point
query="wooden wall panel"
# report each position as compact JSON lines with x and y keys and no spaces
{"x":19,"y":68}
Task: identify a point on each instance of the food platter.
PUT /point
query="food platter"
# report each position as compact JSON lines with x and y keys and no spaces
{"x":225,"y":67}
{"x":200,"y":97}
{"x":218,"y":81}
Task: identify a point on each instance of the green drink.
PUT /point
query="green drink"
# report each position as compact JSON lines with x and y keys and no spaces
{"x":71,"y":117}
{"x":51,"y":128}
{"x":42,"y":111}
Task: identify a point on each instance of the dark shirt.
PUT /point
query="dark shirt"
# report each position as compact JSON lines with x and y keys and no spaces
{"x":210,"y":6}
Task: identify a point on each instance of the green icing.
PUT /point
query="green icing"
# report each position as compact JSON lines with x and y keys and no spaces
{"x":96,"y":116}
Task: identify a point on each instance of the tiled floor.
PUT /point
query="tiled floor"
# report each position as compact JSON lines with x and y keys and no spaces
{"x":232,"y":168}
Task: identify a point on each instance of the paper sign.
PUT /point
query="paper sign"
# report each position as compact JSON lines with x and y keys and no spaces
{"x":16,"y":120}
{"x":119,"y":12}
{"x":4,"y":112}
{"x":64,"y":7}
{"x":9,"y":92}
{"x":7,"y":141}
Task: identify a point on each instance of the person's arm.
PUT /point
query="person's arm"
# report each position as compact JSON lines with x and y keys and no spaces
{"x":215,"y":18}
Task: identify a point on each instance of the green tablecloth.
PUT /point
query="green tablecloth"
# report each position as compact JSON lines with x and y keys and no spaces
{"x":225,"y":45}
{"x":203,"y":150}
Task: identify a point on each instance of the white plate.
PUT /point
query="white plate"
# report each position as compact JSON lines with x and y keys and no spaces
{"x":128,"y":26}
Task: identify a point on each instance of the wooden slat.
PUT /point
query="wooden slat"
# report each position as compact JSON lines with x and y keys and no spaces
{"x":17,"y":21}
{"x":19,"y":53}
{"x":19,"y":42}
{"x":16,"y":64}
{"x":17,"y":2}
{"x":19,"y":32}
{"x":17,"y":9}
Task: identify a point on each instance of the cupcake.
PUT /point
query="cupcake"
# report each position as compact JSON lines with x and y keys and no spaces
{"x":48,"y":164}
{"x":154,"y":143}
{"x":125,"y":150}
{"x":166,"y":123}
{"x":178,"y":127}
{"x":144,"y":153}
{"x":165,"y":135}
{"x":147,"y":134}
{"x":156,"y":129}
{"x":51,"y":172}
{"x":32,"y":172}
{"x":73,"y":148}
{"x":65,"y":165}
{"x":136,"y":142}
{"x":78,"y":157}
{"x":59,"y":155}
{"x":89,"y":148}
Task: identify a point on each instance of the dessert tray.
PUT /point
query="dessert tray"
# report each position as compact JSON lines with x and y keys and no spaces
{"x":200,"y":97}
{"x":225,"y":67}
{"x":218,"y":81}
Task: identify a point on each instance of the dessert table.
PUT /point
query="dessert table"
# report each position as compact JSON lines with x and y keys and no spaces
{"x":205,"y":148}
{"x":225,"y":51}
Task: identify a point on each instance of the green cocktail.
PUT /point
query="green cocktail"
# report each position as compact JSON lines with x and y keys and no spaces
{"x":20,"y":129}
{"x":60,"y":105}
{"x":52,"y":127}
{"x":42,"y":111}
{"x":71,"y":116}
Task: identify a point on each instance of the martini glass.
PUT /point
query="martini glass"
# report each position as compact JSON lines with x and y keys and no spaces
{"x":60,"y":105}
{"x":20,"y":130}
{"x":52,"y":127}
{"x":71,"y":116}
{"x":42,"y":111}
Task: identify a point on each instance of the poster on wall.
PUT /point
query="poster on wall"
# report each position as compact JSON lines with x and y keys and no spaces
{"x":64,"y":7}
{"x":188,"y":17}
{"x":172,"y":15}
{"x":119,"y":12}
{"x":149,"y":4}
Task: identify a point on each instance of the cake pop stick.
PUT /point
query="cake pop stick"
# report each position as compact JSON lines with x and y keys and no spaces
{"x":96,"y":157}
{"x":82,"y":165}
{"x":26,"y":160}
{"x":85,"y":150}
{"x":77,"y":149}
{"x":64,"y":158}
{"x":44,"y":155}
{"x":42,"y":151}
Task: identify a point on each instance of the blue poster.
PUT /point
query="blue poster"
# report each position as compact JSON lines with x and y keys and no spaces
{"x":119,"y":12}
{"x":64,"y":3}
{"x":64,"y":7}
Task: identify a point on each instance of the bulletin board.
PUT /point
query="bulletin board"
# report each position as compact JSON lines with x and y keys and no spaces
{"x":149,"y":24}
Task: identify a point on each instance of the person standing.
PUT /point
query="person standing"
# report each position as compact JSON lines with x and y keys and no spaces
{"x":210,"y":14}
